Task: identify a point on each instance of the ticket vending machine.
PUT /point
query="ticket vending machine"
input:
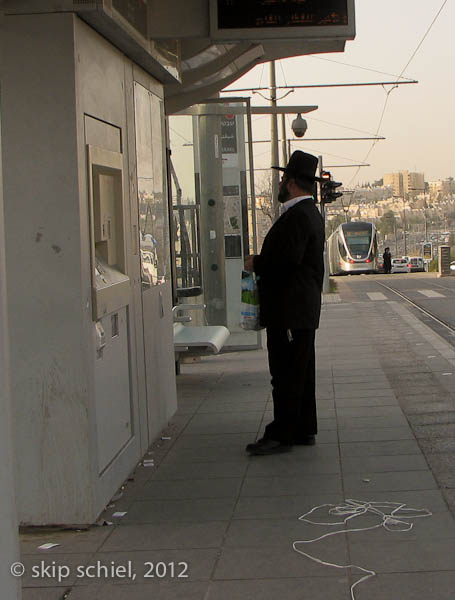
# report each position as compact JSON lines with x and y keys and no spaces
{"x":92,"y":373}
{"x":110,"y":300}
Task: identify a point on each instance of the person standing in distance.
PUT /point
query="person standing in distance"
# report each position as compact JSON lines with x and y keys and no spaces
{"x":290,"y":270}
{"x":387,"y":258}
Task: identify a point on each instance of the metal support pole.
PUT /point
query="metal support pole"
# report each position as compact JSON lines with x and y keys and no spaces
{"x":396,"y":237}
{"x":274,"y":142}
{"x":326,"y":281}
{"x":251,"y":168}
{"x":212,"y":219}
{"x":283,"y":140}
{"x":404,"y":227}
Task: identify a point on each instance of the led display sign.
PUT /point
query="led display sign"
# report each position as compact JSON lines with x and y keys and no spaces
{"x":276,"y":19}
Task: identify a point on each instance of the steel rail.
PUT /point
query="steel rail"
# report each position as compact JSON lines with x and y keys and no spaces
{"x":451,"y":328}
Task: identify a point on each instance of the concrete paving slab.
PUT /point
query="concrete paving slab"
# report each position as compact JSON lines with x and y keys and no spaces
{"x":440,"y":526}
{"x":228,"y":426}
{"x":362,"y":377}
{"x":54,"y":571}
{"x":327,"y":437}
{"x":432,"y":500}
{"x":324,"y":424}
{"x":191,"y":489}
{"x":208,"y":441}
{"x":326,"y":413}
{"x":280,"y":562}
{"x":387,"y":448}
{"x":356,"y":393}
{"x":376,"y":434}
{"x":409,"y":586}
{"x":188,"y":407}
{"x":182,"y":564}
{"x":316,"y":588}
{"x":352,"y":423}
{"x":233,"y":453}
{"x":404,"y":556}
{"x":209,"y":407}
{"x":70,"y":542}
{"x":384,"y":464}
{"x":371,"y":385}
{"x":275,"y":507}
{"x":209,"y":470}
{"x":366,"y":401}
{"x":42,"y":594}
{"x":155,"y":511}
{"x":130,"y":538}
{"x":288,"y":468}
{"x":250,"y":533}
{"x":368,"y":411}
{"x":291,"y":486}
{"x":355,"y":483}
{"x":150,"y":590}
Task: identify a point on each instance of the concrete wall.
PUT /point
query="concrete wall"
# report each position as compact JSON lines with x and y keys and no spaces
{"x":9,"y":551}
{"x":46,"y":298}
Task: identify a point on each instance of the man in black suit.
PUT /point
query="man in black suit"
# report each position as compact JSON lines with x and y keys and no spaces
{"x":290,"y":270}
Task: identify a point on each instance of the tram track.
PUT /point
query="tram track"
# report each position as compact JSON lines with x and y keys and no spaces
{"x":450,"y":328}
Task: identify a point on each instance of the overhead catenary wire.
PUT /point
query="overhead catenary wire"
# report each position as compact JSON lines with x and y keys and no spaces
{"x":400,"y":76}
{"x":339,"y":62}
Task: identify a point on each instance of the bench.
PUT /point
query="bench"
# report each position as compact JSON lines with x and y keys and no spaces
{"x":196,"y":341}
{"x":208,"y":339}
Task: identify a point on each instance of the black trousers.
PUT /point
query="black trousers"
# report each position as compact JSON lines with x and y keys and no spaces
{"x":292,"y":367}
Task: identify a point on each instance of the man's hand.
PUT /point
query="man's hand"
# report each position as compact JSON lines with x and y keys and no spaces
{"x":249,"y":263}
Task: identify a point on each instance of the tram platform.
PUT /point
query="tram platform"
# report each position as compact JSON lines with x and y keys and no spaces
{"x":204,"y":521}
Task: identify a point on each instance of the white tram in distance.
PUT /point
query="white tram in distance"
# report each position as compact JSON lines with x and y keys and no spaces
{"x":353,"y":248}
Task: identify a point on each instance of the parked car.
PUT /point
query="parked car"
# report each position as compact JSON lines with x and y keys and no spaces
{"x":452,"y":265}
{"x":400,"y":265}
{"x":416,"y":264}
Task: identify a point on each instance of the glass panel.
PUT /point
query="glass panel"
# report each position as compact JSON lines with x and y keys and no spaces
{"x":153,"y":208}
{"x":187,"y":253}
{"x":185,"y":208}
{"x":210,"y":156}
{"x":358,"y":242}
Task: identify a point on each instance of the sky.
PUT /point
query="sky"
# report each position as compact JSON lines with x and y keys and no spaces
{"x":418,"y":122}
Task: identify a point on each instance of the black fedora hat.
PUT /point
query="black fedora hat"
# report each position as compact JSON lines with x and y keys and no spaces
{"x":301,"y":165}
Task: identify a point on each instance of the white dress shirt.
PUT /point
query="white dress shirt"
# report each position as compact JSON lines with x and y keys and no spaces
{"x":287,"y":205}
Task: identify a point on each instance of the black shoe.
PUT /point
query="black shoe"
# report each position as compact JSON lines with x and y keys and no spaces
{"x":250,"y":447}
{"x":306,"y":440}
{"x":266,"y":446}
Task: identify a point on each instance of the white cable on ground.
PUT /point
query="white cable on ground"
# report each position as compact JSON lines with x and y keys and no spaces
{"x":394,"y":516}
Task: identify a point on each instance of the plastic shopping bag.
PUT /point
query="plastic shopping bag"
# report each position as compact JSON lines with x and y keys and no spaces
{"x":249,"y":308}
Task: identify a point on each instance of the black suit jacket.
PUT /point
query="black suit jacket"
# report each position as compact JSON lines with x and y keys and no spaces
{"x":291,"y":269}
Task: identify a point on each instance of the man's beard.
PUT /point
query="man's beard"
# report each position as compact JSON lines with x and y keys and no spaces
{"x":283,"y":194}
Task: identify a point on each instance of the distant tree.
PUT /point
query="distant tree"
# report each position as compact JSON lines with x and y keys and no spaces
{"x":332,"y":224}
{"x":378,"y":183}
{"x":264,"y":195}
{"x":387,"y":223}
